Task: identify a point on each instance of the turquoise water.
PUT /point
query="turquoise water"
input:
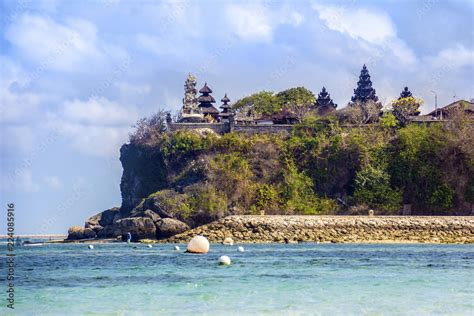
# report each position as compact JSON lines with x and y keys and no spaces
{"x":300,"y":279}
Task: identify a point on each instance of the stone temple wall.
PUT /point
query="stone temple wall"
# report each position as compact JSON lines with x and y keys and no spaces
{"x":219,"y":128}
{"x":254,"y":129}
{"x":222,"y":128}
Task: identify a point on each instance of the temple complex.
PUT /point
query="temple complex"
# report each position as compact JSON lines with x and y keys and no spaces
{"x":199,"y":112}
{"x":364,"y":91}
{"x":324,"y":104}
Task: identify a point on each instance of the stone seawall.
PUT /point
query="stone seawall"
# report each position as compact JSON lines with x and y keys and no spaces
{"x":341,"y":229}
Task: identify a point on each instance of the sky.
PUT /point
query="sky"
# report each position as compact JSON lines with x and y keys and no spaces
{"x":76,"y":75}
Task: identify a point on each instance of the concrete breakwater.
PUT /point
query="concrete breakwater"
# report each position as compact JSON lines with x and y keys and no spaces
{"x":340,"y":229}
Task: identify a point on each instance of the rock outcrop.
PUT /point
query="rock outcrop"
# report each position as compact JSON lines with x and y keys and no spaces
{"x":167,"y":227}
{"x":75,"y":233}
{"x":139,"y":227}
{"x":341,"y":229}
{"x":142,"y":224}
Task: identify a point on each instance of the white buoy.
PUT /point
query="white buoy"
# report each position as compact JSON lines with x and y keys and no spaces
{"x":176,"y":248}
{"x":198,"y":244}
{"x":240,"y":249}
{"x":228,"y":241}
{"x":150,"y":246}
{"x":91,"y":247}
{"x":224,"y":260}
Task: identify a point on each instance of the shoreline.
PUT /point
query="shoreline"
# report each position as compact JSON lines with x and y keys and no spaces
{"x":355,"y":229}
{"x":335,"y":229}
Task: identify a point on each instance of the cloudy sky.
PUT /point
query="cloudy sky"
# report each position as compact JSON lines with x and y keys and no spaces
{"x":75,"y":75}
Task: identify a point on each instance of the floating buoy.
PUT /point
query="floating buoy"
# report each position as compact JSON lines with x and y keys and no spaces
{"x":176,"y":248}
{"x":91,"y":247}
{"x":224,"y":260}
{"x":228,"y":241}
{"x":199,"y":244}
{"x":240,"y":249}
{"x":150,"y":246}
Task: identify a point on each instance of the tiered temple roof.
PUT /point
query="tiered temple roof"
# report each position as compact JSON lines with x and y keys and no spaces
{"x":205,"y":102}
{"x":324,"y":103}
{"x":225,"y":107}
{"x":364,"y":91}
{"x":405,"y":93}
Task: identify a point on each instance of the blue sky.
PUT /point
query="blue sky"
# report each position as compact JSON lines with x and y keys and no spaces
{"x":75,"y":75}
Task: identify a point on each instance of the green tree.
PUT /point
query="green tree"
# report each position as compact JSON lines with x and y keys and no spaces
{"x":373,"y":188}
{"x":263,"y":102}
{"x":408,"y":106}
{"x":388,"y":120}
{"x":297,"y":100}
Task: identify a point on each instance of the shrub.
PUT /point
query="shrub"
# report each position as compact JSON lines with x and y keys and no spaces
{"x":149,"y":130}
{"x":373,"y":188}
{"x":266,"y":198}
{"x":184,"y":143}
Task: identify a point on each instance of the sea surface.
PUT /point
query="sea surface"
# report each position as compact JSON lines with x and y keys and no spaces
{"x":266,"y":279}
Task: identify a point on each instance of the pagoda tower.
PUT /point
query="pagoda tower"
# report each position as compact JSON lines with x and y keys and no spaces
{"x":324,"y":103}
{"x":364,"y":91}
{"x":405,"y":93}
{"x":205,"y":103}
{"x":224,"y":115}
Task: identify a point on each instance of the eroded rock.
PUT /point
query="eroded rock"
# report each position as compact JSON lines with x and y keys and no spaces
{"x":167,"y":227}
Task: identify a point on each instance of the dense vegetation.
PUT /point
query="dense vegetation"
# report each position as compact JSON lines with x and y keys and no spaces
{"x":321,"y":168}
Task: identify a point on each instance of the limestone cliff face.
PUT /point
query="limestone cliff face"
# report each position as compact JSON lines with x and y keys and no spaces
{"x":144,"y":172}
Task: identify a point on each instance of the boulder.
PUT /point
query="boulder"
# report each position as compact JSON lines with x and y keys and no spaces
{"x":112,"y":231}
{"x":109,"y":216}
{"x":139,"y":227}
{"x":102,"y":219}
{"x":89,"y":233}
{"x":155,"y":205}
{"x":167,"y":227}
{"x":198,"y":244}
{"x":75,"y":232}
{"x":150,"y":214}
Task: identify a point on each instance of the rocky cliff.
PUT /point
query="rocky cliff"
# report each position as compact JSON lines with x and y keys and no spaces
{"x":144,"y":172}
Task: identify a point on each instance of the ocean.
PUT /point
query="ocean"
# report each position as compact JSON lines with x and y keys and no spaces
{"x":266,"y":279}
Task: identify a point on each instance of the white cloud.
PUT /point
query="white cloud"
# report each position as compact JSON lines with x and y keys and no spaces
{"x":455,"y":57}
{"x":20,"y":180}
{"x":374,"y":27}
{"x":18,"y":107}
{"x":52,"y":182}
{"x":95,"y":127}
{"x":97,"y":111}
{"x":102,"y":141}
{"x":128,"y":88}
{"x":256,"y":22}
{"x":250,"y":23}
{"x":156,"y":45}
{"x":52,"y":45}
{"x":17,"y":137}
{"x":373,"y":30}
